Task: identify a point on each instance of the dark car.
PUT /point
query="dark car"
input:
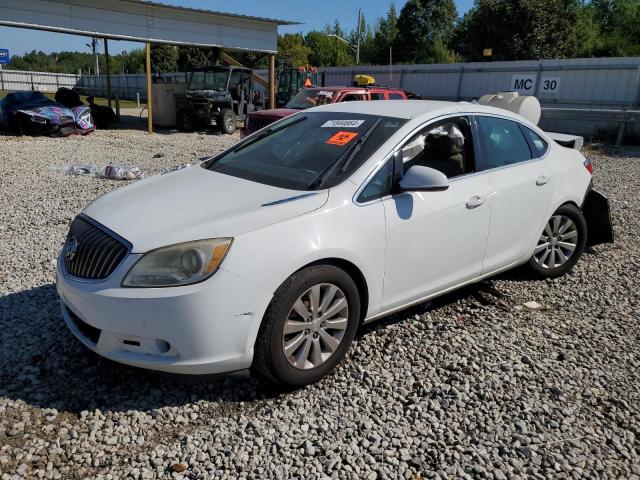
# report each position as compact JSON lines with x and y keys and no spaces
{"x":33,"y":113}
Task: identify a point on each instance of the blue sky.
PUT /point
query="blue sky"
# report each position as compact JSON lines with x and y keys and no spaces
{"x":314,"y":16}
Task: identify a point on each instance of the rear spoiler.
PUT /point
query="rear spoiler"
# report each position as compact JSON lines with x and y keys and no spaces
{"x":570,"y":141}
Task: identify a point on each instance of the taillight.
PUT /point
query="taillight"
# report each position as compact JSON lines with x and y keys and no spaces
{"x":588,"y":165}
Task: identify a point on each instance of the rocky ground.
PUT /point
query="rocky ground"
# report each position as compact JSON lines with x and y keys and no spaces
{"x":478,"y":386}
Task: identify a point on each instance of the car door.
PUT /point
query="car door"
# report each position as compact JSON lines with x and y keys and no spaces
{"x":436,"y":240}
{"x":520,"y":185}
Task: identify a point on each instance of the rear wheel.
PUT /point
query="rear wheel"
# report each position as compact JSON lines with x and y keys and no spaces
{"x":226,"y":121}
{"x":561,"y":243}
{"x":185,"y":121}
{"x":308,"y":327}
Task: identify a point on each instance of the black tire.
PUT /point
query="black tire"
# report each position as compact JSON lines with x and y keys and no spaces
{"x":575,"y":215}
{"x":269,"y":357}
{"x":185,"y":120}
{"x":226,"y":121}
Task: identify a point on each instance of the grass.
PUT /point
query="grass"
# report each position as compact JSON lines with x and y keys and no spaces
{"x":97,"y":100}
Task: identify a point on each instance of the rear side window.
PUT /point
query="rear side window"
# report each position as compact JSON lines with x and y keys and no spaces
{"x":504,"y":143}
{"x":353,"y":97}
{"x":377,"y":96}
{"x":538,"y":145}
{"x":395,"y":96}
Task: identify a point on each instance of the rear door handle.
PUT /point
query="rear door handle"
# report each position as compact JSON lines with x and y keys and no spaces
{"x":476,"y":201}
{"x":542,"y":180}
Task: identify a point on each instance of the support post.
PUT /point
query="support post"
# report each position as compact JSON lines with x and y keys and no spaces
{"x":1,"y":78}
{"x":106,"y":58}
{"x":149,"y":94}
{"x":272,"y":81}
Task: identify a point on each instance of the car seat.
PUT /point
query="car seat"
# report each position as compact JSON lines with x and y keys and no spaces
{"x":443,"y":154}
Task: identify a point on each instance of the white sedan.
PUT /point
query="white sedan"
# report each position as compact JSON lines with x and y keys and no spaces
{"x":272,"y":254}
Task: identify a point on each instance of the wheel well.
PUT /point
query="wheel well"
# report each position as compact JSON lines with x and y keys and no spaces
{"x":355,"y":273}
{"x":570,"y":203}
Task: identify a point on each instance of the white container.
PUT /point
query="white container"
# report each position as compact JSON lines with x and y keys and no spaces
{"x":525,"y":106}
{"x":164,"y":103}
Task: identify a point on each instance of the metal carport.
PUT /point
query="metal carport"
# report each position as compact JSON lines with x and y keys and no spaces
{"x":149,"y":22}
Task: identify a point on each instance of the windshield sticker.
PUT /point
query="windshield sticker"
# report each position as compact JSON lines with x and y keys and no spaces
{"x":341,"y":138}
{"x":343,"y":124}
{"x":324,"y":93}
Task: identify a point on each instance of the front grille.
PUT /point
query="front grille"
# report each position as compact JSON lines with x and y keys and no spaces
{"x":92,"y":333}
{"x":90,"y":252}
{"x":255,"y":123}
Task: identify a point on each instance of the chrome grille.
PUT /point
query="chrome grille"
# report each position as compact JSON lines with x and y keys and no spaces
{"x":90,"y":252}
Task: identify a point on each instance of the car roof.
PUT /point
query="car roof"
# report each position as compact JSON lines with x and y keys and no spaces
{"x":412,"y":109}
{"x":335,"y":88}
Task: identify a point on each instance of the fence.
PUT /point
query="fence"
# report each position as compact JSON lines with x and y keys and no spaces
{"x":11,"y":80}
{"x":580,"y":96}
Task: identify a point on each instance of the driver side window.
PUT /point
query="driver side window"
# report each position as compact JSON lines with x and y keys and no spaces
{"x":445,"y":146}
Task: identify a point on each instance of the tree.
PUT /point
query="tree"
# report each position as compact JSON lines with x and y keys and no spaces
{"x":618,"y":22}
{"x":520,"y":30}
{"x":326,"y":50}
{"x":422,"y":26}
{"x":385,"y":36}
{"x":196,"y":57}
{"x":164,"y":58}
{"x":292,"y":50}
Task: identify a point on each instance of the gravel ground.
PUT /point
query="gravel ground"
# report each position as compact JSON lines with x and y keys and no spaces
{"x":477,"y":386}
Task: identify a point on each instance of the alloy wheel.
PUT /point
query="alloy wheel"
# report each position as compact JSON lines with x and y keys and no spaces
{"x":557,"y":243}
{"x":315,"y":326}
{"x":228,"y":122}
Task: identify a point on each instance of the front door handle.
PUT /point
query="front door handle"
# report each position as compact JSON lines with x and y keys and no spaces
{"x":542,"y":180}
{"x":476,"y":201}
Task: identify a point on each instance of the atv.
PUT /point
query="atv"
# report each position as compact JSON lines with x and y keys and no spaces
{"x":217,"y":95}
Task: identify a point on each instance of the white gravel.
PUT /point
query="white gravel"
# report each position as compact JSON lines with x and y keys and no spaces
{"x":512,"y":378}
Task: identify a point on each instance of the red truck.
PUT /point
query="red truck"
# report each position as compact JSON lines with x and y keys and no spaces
{"x":312,"y":97}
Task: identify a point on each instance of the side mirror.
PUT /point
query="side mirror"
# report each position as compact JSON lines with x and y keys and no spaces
{"x":423,"y":179}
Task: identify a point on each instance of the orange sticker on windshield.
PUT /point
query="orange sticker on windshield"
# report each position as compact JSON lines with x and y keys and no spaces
{"x":342,"y":138}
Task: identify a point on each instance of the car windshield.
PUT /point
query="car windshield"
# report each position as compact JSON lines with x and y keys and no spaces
{"x":310,"y":97}
{"x":209,"y":80}
{"x":307,"y":151}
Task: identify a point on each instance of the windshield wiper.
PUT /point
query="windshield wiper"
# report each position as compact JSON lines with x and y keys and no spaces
{"x":347,"y":157}
{"x":266,"y":133}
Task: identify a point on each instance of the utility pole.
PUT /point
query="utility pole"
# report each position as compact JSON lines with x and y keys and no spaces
{"x":94,"y":48}
{"x":359,"y":35}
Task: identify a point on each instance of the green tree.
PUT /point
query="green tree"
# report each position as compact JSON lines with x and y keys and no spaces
{"x":326,"y":50}
{"x":618,"y":22}
{"x":425,"y":27}
{"x":385,"y":35}
{"x":196,"y":57}
{"x":292,"y":50}
{"x":164,"y":58}
{"x":520,"y":30}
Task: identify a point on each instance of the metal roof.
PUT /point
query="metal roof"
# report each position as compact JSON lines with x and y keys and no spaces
{"x":145,"y":21}
{"x":201,"y":10}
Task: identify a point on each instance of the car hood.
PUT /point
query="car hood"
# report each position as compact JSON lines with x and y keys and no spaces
{"x":193,"y":204}
{"x":275,"y":112}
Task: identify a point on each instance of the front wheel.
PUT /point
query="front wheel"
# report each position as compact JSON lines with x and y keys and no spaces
{"x":308,"y":326}
{"x":226,"y":121}
{"x":561,"y":243}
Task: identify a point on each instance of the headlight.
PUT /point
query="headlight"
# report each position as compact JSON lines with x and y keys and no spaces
{"x":181,"y":264}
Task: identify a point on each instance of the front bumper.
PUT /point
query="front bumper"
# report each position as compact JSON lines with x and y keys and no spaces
{"x":199,"y":329}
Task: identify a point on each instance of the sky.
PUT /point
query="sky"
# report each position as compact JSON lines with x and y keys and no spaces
{"x":313,"y":16}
